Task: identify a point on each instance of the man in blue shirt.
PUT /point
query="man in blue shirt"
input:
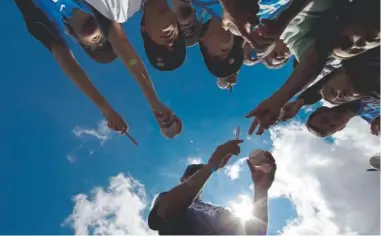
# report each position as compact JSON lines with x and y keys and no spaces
{"x":180,"y":211}
{"x":327,"y":121}
{"x":100,"y":35}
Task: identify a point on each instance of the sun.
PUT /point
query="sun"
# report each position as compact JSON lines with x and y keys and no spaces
{"x":242,"y":207}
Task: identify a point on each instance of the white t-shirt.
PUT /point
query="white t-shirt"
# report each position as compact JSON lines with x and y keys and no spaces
{"x":116,"y":10}
{"x":301,"y":31}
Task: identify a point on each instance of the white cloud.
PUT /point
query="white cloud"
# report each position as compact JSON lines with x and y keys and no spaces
{"x":232,"y":171}
{"x":194,"y":160}
{"x":117,"y":210}
{"x":71,"y":158}
{"x":328,"y":182}
{"x":102,"y":133}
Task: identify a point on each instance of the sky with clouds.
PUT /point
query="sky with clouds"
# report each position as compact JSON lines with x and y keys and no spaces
{"x":63,"y":172}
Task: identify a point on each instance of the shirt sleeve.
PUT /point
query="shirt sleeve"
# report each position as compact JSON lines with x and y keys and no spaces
{"x":154,"y":219}
{"x":116,"y":10}
{"x":304,"y":30}
{"x":172,"y":226}
{"x":39,"y":25}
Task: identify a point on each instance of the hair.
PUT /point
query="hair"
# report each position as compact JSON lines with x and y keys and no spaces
{"x":362,"y":12}
{"x":192,"y":169}
{"x":316,"y":130}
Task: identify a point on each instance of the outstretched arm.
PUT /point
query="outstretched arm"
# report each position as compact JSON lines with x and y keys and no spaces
{"x":126,"y":52}
{"x":74,"y":71}
{"x":176,"y":201}
{"x":257,"y":225}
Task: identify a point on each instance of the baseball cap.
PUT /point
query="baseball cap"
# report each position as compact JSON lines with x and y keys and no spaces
{"x":227,"y":66}
{"x":161,"y":57}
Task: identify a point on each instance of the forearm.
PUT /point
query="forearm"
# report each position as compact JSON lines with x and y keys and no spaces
{"x":308,"y":68}
{"x":74,"y":71}
{"x":258,"y":224}
{"x":134,"y":64}
{"x":177,"y":200}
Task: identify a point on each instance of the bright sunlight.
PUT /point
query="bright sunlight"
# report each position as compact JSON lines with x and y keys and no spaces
{"x":242,"y":207}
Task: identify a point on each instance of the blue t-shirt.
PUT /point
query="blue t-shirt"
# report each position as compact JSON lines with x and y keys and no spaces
{"x":366,"y":108}
{"x":201,"y":219}
{"x":59,"y":10}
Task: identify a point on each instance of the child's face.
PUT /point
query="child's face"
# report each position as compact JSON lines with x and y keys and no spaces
{"x":356,"y":39}
{"x":328,"y":121}
{"x":339,"y":89}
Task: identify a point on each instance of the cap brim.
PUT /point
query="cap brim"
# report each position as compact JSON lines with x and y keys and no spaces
{"x":228,"y":66}
{"x":161,"y":57}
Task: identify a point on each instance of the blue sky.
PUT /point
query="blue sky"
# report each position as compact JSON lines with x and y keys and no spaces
{"x":41,"y":108}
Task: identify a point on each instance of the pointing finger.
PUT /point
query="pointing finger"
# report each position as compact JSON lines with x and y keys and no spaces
{"x":253,"y":126}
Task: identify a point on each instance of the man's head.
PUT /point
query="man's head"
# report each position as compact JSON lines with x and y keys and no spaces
{"x":85,"y":28}
{"x":222,"y":51}
{"x":360,"y":31}
{"x":278,"y":57}
{"x":163,"y":41}
{"x":189,"y":25}
{"x":348,"y":83}
{"x":326,"y":121}
{"x":191,"y":170}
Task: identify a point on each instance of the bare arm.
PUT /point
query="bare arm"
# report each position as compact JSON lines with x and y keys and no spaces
{"x":132,"y":61}
{"x":177,"y":200}
{"x":258,"y":224}
{"x":74,"y":71}
{"x":308,"y":68}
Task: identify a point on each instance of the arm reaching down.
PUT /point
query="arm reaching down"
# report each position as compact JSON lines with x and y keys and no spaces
{"x":134,"y":64}
{"x":267,"y":112}
{"x":170,"y":124}
{"x":73,"y":70}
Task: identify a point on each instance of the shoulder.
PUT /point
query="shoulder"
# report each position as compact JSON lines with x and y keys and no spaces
{"x":116,"y":10}
{"x":154,"y":219}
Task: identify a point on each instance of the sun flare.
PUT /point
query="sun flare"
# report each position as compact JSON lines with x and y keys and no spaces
{"x":242,"y":207}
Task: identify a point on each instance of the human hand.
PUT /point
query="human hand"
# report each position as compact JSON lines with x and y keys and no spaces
{"x":290,"y":110}
{"x":375,"y":126}
{"x":262,"y":180}
{"x":239,"y":16}
{"x":115,"y":121}
{"x":224,"y":152}
{"x":265,"y":115}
